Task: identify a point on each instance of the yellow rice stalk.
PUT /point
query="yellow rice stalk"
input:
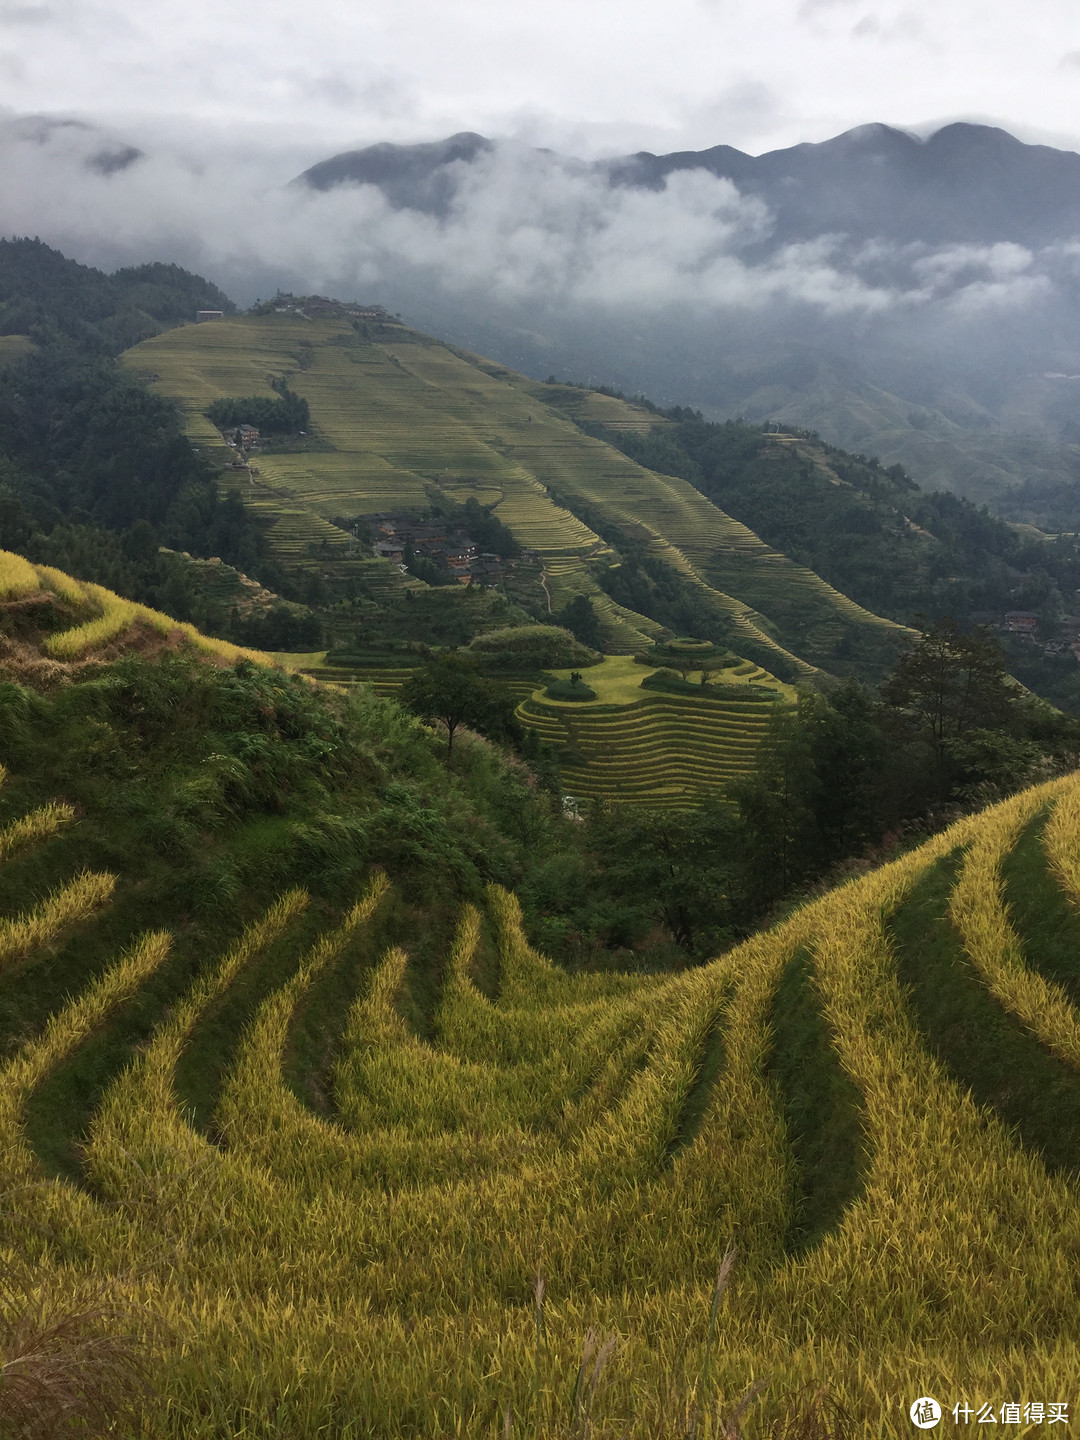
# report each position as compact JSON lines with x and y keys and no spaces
{"x":529,"y":978}
{"x":960,"y":1213}
{"x":221,"y":648}
{"x":733,"y":1183}
{"x":77,"y":901}
{"x":141,"y":1105}
{"x":39,"y":825}
{"x":632,"y":1142}
{"x":63,"y":1034}
{"x":458,"y":987}
{"x":117,"y":614}
{"x":390,"y":1078}
{"x":256,"y":1103}
{"x":161,"y":1056}
{"x":73,"y":591}
{"x":17,"y":576}
{"x":978,"y":911}
{"x":302,"y":1299}
{"x":1061,"y":840}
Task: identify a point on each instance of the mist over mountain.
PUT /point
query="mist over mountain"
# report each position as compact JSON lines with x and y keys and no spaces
{"x":964,"y":184}
{"x":917,"y":299}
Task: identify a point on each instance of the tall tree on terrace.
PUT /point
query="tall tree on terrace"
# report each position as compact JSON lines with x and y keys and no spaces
{"x":952,"y":682}
{"x":454,"y":689}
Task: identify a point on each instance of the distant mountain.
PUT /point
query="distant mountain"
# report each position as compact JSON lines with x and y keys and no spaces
{"x":911,"y":298}
{"x":964,"y":184}
{"x":412,"y":176}
{"x":97,"y":150}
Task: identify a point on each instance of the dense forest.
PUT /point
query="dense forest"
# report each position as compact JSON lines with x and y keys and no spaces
{"x":870,"y":531}
{"x":95,"y":470}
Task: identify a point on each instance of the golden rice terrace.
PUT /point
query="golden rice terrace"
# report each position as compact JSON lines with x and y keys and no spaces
{"x":511,"y":1220}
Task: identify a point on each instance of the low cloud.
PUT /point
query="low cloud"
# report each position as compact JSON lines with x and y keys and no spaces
{"x":524,"y":230}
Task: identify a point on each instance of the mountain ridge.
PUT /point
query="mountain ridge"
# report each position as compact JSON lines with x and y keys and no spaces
{"x":976,"y":182}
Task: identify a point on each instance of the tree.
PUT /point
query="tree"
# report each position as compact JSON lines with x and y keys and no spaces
{"x":815,"y":795}
{"x":581,"y":620}
{"x":951,"y":683}
{"x":678,"y":867}
{"x":453,"y":689}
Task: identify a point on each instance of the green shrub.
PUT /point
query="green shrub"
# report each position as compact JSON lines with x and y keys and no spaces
{"x":669,"y":680}
{"x":521,"y":647}
{"x":569,"y":690}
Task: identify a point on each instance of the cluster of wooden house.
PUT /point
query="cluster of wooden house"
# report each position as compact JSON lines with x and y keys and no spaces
{"x":243,"y":437}
{"x":319,"y":307}
{"x":1024,"y":625}
{"x":447,"y":547}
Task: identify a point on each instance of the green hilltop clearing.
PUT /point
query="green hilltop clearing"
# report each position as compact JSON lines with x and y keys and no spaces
{"x":399,"y":420}
{"x":301,"y":1135}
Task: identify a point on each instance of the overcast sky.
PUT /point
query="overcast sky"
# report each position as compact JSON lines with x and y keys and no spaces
{"x":589,"y":76}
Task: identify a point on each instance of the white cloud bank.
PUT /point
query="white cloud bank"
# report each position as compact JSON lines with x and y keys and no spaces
{"x":524,"y":228}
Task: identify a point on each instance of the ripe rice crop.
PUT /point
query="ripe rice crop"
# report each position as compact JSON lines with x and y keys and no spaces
{"x":76,"y":901}
{"x":1062,"y":842}
{"x":40,"y":824}
{"x":17,"y":576}
{"x":558,"y":1170}
{"x":117,"y":615}
{"x":255,"y":1101}
{"x":978,"y":911}
{"x":73,"y":591}
{"x":64,"y":1032}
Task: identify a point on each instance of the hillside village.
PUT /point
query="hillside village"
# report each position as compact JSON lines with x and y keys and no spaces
{"x":401,"y":536}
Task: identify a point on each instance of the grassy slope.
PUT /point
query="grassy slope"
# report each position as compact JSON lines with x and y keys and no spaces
{"x":407,"y":417}
{"x":852,"y":1097}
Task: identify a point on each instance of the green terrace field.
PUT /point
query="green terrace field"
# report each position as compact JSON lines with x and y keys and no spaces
{"x":399,"y":418}
{"x":14,"y":347}
{"x":629,"y":745}
{"x":343,"y":1158}
{"x":649,"y":747}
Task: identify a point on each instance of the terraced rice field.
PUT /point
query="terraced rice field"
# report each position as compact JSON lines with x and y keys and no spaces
{"x":105,"y":619}
{"x":397,"y":421}
{"x":385,"y":680}
{"x":521,"y":1222}
{"x":408,"y":418}
{"x":648,"y":747}
{"x":15,"y":347}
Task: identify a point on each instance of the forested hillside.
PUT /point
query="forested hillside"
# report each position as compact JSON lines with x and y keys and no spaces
{"x":95,"y":470}
{"x":870,"y":531}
